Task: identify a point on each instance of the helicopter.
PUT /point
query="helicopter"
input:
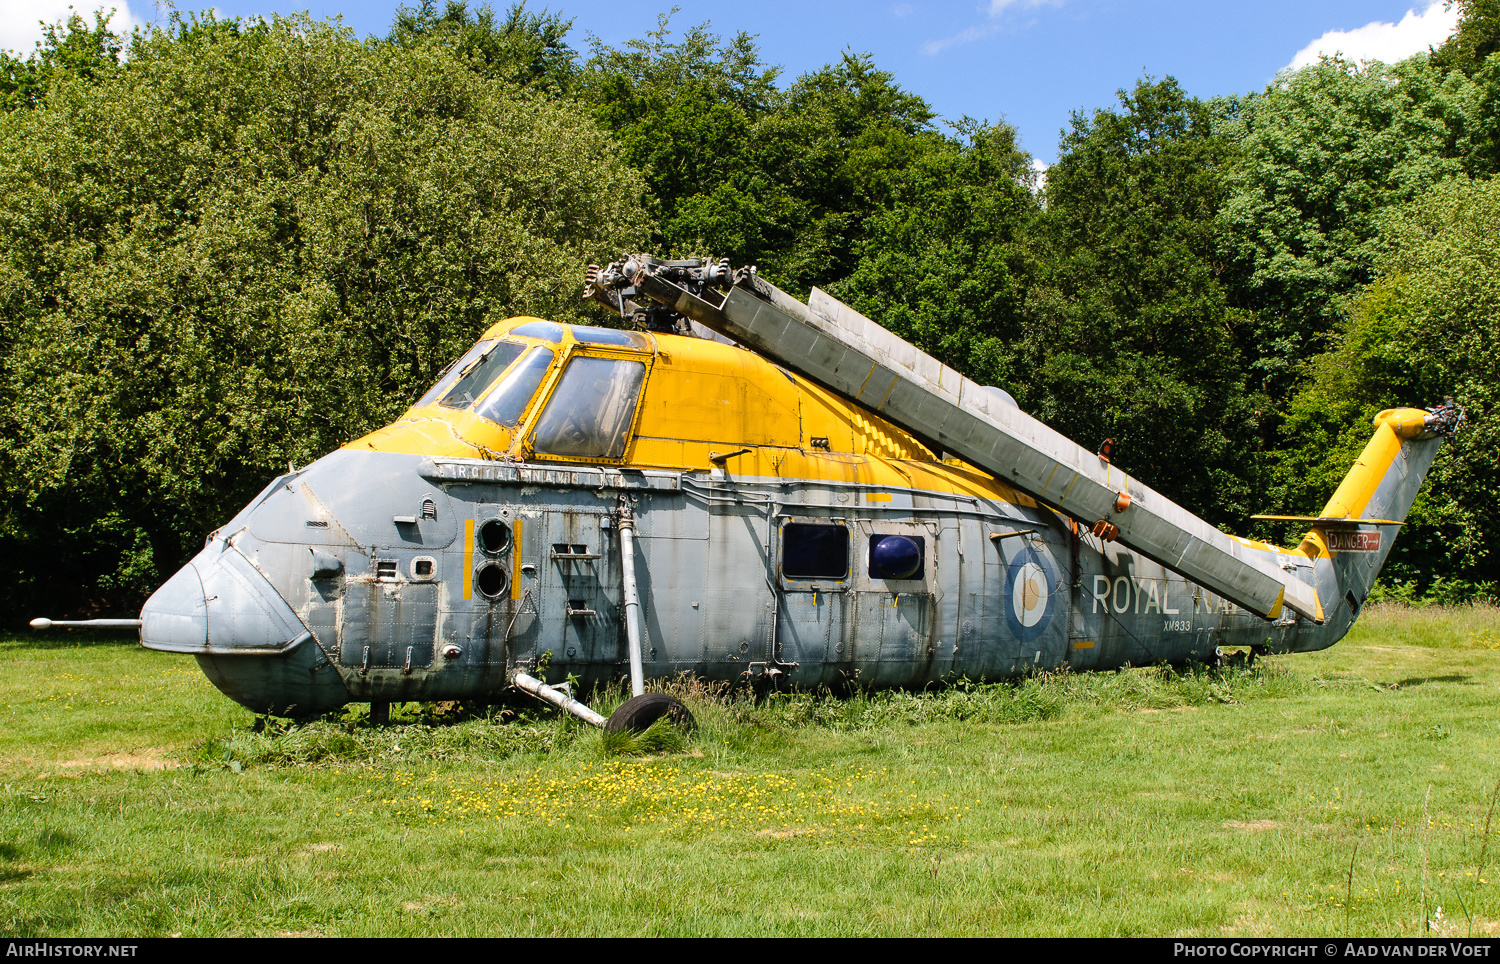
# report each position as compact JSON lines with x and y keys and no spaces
{"x":739,"y":486}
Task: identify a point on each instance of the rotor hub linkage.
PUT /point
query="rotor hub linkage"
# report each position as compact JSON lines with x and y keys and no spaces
{"x":617,"y":285}
{"x":1445,"y":419}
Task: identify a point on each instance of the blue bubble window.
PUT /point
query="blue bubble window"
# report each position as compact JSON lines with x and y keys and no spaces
{"x":897,"y":557}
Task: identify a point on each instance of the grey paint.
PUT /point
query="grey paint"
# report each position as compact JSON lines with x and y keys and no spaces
{"x":313,"y":596}
{"x":273,"y":633}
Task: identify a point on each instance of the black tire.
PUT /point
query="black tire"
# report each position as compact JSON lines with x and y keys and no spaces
{"x":638,"y":713}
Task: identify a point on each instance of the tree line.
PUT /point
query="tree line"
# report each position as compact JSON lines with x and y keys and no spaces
{"x":229,"y":245}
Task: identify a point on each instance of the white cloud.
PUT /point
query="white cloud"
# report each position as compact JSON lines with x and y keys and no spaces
{"x":962,"y":37}
{"x":998,"y":7}
{"x":1039,"y":168}
{"x":21,"y":20}
{"x":992,"y":26}
{"x":1386,"y":42}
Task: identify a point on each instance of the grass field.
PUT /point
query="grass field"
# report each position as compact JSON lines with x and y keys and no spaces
{"x":1348,"y":792}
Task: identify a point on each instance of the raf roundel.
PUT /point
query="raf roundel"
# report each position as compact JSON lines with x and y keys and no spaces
{"x":1029,"y":588}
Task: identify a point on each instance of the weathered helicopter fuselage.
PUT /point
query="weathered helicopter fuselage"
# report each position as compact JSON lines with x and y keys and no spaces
{"x":780,"y":531}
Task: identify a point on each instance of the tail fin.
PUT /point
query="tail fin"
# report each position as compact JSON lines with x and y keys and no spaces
{"x":1380,"y":488}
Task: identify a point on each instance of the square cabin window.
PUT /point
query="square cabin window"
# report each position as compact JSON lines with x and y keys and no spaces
{"x":590,"y":412}
{"x":810,"y":551}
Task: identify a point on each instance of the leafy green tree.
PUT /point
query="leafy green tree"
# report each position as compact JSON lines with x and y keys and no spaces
{"x":685,"y":114}
{"x":527,"y":49}
{"x":1320,"y":154}
{"x":1477,"y":36}
{"x":245,"y":249}
{"x":847,"y":144}
{"x":1426,"y":328}
{"x":944,"y":260}
{"x":68,"y":47}
{"x":842,"y":181}
{"x":1130,"y":334}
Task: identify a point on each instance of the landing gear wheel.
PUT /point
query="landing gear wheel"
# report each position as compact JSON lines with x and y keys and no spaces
{"x":1234,"y":660}
{"x":638,"y":713}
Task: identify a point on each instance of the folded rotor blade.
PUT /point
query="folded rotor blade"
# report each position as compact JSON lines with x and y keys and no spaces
{"x":848,"y":353}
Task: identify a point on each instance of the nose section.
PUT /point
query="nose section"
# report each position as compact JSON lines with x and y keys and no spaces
{"x":220,"y":603}
{"x":248,"y":640}
{"x":175,"y":618}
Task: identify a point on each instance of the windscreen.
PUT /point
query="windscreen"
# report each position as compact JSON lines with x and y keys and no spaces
{"x":590,"y":412}
{"x":480,"y":373}
{"x":508,"y":402}
{"x":453,"y":373}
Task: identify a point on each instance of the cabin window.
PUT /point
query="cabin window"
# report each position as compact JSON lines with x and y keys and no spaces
{"x":589,"y":414}
{"x":480,"y":373}
{"x":452,"y":373}
{"x":545,"y":330}
{"x":508,"y":402}
{"x":810,"y":551}
{"x":610,"y":336}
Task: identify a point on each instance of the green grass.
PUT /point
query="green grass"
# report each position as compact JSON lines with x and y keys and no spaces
{"x":1342,"y":792}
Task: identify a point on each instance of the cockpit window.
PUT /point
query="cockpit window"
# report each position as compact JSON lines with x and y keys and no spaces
{"x":610,"y":336}
{"x":480,"y":373}
{"x":452,"y":374}
{"x":507,"y":403}
{"x":547,"y":330}
{"x":590,"y":412}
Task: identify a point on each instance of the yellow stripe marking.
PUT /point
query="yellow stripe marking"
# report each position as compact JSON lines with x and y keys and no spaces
{"x":877,"y":497}
{"x":1055,"y":467}
{"x":468,"y":558}
{"x":1084,"y":644}
{"x":515,"y":562}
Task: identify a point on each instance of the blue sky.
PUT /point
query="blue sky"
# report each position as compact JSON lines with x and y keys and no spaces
{"x":1029,"y":62}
